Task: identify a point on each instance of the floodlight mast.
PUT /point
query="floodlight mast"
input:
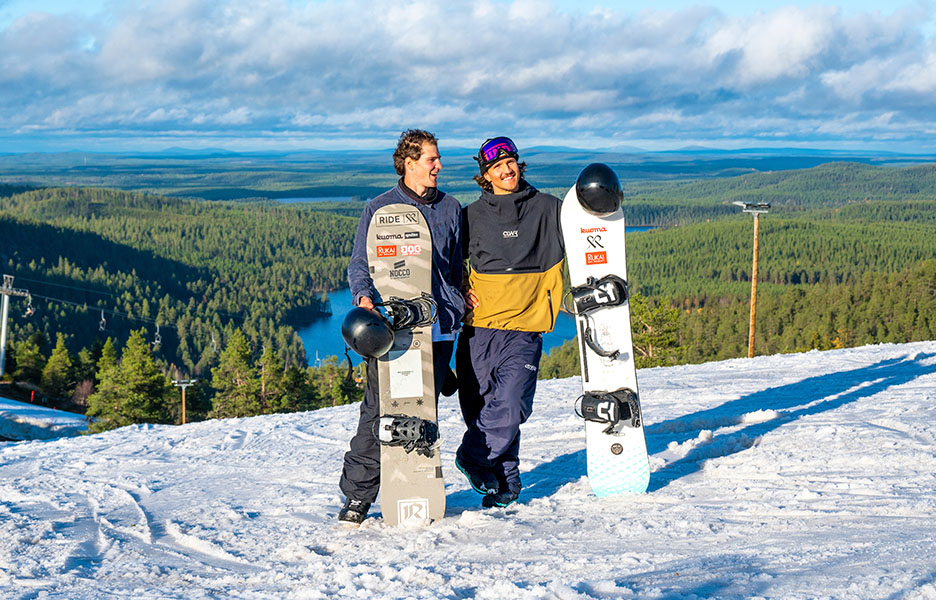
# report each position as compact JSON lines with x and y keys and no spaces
{"x":183,"y":383}
{"x":756,"y":209}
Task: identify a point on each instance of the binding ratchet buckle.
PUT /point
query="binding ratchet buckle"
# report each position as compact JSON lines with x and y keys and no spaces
{"x":605,"y":292}
{"x":620,"y":406}
{"x":417,"y":312}
{"x":412,"y":433}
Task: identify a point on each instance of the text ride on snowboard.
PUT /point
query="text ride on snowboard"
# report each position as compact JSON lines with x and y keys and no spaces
{"x":406,"y":262}
{"x":593,"y":228}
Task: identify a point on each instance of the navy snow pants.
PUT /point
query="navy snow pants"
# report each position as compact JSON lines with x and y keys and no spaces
{"x":360,"y":478}
{"x":496,"y":382}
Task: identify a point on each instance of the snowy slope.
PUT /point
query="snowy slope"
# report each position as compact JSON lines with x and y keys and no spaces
{"x":796,"y":476}
{"x":21,"y":421}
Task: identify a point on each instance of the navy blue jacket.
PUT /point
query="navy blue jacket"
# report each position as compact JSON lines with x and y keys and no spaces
{"x":444,"y":219}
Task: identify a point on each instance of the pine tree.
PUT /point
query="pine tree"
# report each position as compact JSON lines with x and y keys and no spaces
{"x":131,"y":391}
{"x":272,"y":393}
{"x":108,"y":357}
{"x":29,"y":359}
{"x":236,"y":381}
{"x":57,"y":375}
{"x":298,"y":390}
{"x":332,"y":385}
{"x":655,"y":332}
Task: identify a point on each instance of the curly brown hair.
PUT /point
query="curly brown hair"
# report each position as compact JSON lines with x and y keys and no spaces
{"x":410,"y":146}
{"x":486,"y":185}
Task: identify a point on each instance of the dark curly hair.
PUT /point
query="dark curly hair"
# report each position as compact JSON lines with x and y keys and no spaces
{"x":486,"y":185}
{"x":410,"y":146}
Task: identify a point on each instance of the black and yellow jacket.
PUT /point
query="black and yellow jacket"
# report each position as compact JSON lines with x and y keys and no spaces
{"x":514,"y":251}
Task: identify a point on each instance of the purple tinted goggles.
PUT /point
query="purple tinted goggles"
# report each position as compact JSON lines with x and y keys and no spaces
{"x":496,"y":148}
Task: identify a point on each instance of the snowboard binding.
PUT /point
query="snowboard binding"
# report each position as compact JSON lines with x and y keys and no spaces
{"x":412,"y":433}
{"x":605,"y":292}
{"x":411,"y":314}
{"x":595,"y":294}
{"x":609,"y":407}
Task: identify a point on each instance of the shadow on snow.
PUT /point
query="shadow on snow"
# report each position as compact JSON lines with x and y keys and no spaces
{"x":811,"y":396}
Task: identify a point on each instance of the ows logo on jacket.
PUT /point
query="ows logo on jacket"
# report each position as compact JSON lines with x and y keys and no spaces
{"x":512,"y":233}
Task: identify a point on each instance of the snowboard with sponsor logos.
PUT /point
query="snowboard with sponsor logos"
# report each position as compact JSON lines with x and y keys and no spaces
{"x":399,"y":256}
{"x":616,"y":450}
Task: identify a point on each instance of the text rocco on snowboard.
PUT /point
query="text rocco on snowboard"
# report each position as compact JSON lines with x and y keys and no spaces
{"x":514,"y":250}
{"x":418,"y":162}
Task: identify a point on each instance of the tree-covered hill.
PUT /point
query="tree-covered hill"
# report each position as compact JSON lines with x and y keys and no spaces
{"x":701,"y":262}
{"x":844,"y":244}
{"x":828,"y":186}
{"x":193,"y":268}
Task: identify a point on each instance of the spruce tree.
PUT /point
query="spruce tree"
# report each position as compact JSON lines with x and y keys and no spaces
{"x":57,"y":375}
{"x":131,"y":391}
{"x":236,"y":381}
{"x":273,"y":396}
{"x":29,"y":360}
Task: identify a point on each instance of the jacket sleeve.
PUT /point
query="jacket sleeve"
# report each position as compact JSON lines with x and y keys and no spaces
{"x":456,"y":258}
{"x":465,"y":245}
{"x":456,"y":265}
{"x":359,"y":279}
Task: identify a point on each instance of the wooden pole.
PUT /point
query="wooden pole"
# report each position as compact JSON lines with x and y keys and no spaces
{"x":753,"y":290}
{"x":183,"y":383}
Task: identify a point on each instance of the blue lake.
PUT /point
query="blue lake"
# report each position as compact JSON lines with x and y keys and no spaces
{"x":322,"y":338}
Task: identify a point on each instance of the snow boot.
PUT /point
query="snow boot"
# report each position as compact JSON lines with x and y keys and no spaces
{"x":354,"y":512}
{"x":501,"y":499}
{"x":482,"y":481}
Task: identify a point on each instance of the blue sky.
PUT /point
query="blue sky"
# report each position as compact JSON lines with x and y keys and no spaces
{"x":286,"y":74}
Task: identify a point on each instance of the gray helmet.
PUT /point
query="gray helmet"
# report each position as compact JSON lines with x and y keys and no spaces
{"x":367,"y":332}
{"x":599,"y":190}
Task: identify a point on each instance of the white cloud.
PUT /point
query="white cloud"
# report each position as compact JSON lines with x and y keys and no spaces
{"x":852,"y":84}
{"x":372,"y":67}
{"x":784,"y":44}
{"x":919,"y":77}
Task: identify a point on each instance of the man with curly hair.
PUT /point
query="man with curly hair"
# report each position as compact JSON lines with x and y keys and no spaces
{"x":417,"y":162}
{"x":514,"y":255}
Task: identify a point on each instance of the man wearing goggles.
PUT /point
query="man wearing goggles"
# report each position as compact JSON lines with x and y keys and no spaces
{"x":514,"y":254}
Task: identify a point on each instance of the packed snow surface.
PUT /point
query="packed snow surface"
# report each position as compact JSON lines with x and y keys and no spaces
{"x":22,"y":421}
{"x":793,"y":476}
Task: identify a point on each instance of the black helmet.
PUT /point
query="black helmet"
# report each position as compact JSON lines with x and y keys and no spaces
{"x":599,"y":190}
{"x":367,"y":332}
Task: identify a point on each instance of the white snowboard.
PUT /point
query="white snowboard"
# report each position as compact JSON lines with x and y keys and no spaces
{"x":617,"y":461}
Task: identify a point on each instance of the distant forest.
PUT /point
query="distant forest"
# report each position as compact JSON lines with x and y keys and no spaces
{"x":847,"y":257}
{"x":102,"y":262}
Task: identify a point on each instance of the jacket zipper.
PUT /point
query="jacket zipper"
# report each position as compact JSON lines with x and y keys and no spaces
{"x":552,"y":317}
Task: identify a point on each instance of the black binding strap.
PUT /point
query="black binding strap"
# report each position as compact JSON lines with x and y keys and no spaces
{"x":411,"y":314}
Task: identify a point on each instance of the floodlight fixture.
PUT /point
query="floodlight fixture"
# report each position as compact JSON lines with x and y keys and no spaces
{"x":756,"y":208}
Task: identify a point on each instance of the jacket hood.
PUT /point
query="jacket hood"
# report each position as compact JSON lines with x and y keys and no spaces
{"x":507,"y":205}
